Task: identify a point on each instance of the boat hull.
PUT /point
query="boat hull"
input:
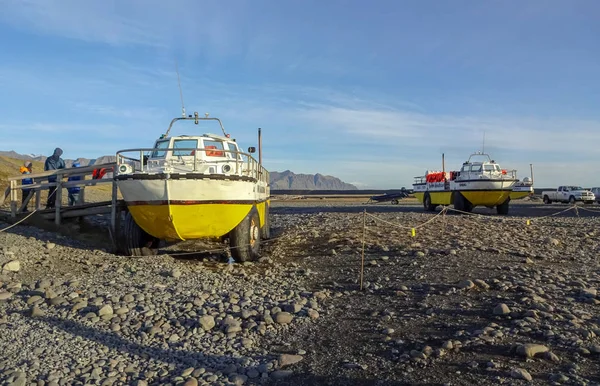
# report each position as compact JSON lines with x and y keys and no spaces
{"x":192,"y":208}
{"x":478,"y":193}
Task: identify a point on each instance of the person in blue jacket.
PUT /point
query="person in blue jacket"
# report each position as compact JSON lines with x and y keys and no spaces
{"x":74,"y":190}
{"x":54,"y":162}
{"x":27,"y":168}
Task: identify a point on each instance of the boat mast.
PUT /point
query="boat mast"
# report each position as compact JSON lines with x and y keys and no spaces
{"x":443,"y":165}
{"x":531,"y":168}
{"x":180,"y":92}
{"x":483,"y":144}
{"x":259,"y":146}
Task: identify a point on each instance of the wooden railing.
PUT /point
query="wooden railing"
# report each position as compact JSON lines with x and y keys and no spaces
{"x":40,"y":182}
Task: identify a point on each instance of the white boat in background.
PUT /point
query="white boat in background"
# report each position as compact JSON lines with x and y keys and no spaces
{"x":479,"y":182}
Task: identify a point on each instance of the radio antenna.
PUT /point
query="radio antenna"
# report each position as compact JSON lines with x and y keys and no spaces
{"x":180,"y":92}
{"x":483,"y":144}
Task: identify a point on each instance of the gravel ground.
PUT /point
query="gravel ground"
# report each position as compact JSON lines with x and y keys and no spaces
{"x":467,"y":300}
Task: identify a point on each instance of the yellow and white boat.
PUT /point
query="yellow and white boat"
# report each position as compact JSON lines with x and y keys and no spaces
{"x":478,"y":183}
{"x":192,"y":187}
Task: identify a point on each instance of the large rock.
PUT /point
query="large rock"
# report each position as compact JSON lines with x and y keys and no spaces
{"x":12,"y":266}
{"x":521,"y":374}
{"x":207,"y":322}
{"x":289,"y":359}
{"x":283,"y":318}
{"x":501,"y":309}
{"x":531,"y":349}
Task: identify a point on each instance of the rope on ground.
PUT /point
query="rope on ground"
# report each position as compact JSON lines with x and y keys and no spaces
{"x":223,"y":249}
{"x":408,"y":227}
{"x":18,"y":222}
{"x":589,"y":210}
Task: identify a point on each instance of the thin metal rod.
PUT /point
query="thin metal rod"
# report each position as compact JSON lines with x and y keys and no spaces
{"x":362,"y":263}
{"x":259,"y":146}
{"x":180,"y":92}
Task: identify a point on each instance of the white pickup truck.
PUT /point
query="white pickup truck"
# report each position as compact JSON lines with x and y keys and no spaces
{"x":570,"y":194}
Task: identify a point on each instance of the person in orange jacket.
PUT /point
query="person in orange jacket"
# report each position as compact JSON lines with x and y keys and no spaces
{"x":27,"y":168}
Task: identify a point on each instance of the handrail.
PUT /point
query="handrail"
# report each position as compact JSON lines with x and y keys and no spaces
{"x":65,"y":172}
{"x":196,"y":118}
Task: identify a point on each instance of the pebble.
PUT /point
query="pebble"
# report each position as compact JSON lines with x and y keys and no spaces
{"x":12,"y":266}
{"x":4,"y":296}
{"x":531,"y":349}
{"x":519,"y":373}
{"x":289,"y":359}
{"x":207,"y":322}
{"x":283,"y":318}
{"x":501,"y":309}
{"x":466,"y":284}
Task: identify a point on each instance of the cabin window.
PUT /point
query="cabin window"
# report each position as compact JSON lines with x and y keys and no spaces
{"x":214,"y":148}
{"x":160,"y":145}
{"x":232,"y":151}
{"x":489,"y":168}
{"x":190,"y":144}
{"x":476,"y":168}
{"x":466,"y":168}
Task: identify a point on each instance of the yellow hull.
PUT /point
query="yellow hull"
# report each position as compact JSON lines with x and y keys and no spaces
{"x":193,"y":221}
{"x":476,"y":198}
{"x":518,"y":195}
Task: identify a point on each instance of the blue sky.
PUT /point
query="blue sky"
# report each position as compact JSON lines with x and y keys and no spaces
{"x":370,"y":92}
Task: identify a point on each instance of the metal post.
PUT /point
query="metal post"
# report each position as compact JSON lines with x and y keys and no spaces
{"x":531,"y":168}
{"x":362,"y":260}
{"x":13,"y":198}
{"x":259,"y":146}
{"x":113,"y":213}
{"x":38,"y":198}
{"x":58,"y":199}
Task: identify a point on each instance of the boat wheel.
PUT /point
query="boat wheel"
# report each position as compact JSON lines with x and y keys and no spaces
{"x":244,"y":239}
{"x":265,"y":231}
{"x":136,"y":242}
{"x":503,"y":208}
{"x":458,"y":201}
{"x":427,"y":203}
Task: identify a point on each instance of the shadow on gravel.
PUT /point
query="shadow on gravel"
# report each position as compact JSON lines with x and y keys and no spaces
{"x":309,"y":380}
{"x":180,"y":359}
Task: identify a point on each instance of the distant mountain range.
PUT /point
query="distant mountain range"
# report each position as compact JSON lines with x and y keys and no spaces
{"x":285,"y":180}
{"x":288,"y":180}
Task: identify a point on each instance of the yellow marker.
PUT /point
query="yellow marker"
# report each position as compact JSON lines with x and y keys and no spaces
{"x":528,"y":222}
{"x":413,"y":232}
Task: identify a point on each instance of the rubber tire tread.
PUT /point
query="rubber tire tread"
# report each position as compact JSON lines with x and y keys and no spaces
{"x":502,"y":209}
{"x":265,"y":231}
{"x":239,"y":239}
{"x":135,"y":239}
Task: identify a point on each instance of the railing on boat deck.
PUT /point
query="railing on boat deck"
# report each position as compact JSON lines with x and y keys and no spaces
{"x":40,"y":182}
{"x":241,"y":164}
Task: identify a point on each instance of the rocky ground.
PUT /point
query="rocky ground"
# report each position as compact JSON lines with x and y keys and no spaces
{"x":467,"y":300}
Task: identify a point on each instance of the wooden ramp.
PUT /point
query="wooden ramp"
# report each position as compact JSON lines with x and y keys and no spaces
{"x":16,"y":215}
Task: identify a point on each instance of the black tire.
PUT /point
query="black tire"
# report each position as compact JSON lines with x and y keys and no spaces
{"x":458,"y":202}
{"x":265,"y":231}
{"x":547,"y":200}
{"x":136,"y":242}
{"x":503,"y":208}
{"x":244,"y":239}
{"x":395,"y":202}
{"x":572,"y":200}
{"x":427,"y":203}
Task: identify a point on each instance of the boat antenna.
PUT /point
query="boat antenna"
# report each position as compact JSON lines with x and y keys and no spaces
{"x":180,"y":92}
{"x":483,"y":144}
